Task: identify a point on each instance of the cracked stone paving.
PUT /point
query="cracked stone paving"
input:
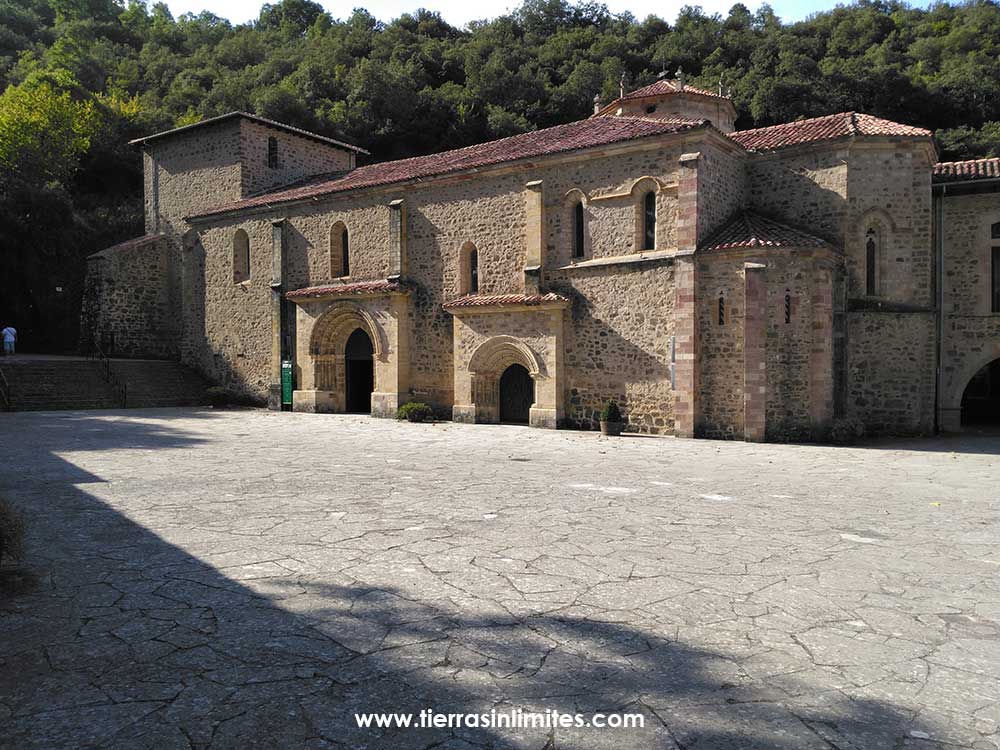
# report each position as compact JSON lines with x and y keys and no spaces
{"x":248,"y":579}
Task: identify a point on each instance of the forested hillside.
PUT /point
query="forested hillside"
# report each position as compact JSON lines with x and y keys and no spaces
{"x":81,"y":77}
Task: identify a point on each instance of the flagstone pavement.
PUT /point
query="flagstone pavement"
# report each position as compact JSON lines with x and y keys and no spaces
{"x":246,"y":579}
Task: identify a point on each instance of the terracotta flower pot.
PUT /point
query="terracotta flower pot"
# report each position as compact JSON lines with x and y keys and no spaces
{"x":612,"y":428}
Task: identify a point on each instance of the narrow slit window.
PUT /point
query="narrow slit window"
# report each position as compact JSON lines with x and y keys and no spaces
{"x":649,"y":221}
{"x":871,"y":262}
{"x":578,"y":230}
{"x":473,"y":271}
{"x":345,"y":245}
{"x":995,"y":281}
{"x":788,"y":306}
{"x":241,"y":257}
{"x":722,"y":309}
{"x":272,"y":152}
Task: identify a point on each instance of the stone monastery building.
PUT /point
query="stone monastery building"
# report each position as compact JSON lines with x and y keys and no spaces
{"x":756,"y":284}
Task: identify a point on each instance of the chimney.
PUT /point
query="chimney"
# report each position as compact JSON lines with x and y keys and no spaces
{"x":597,"y":102}
{"x":621,"y":86}
{"x":680,"y":78}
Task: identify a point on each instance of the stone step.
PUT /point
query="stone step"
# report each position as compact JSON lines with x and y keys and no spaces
{"x":79,"y":384}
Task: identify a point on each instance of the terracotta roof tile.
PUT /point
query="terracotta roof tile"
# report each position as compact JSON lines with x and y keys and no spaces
{"x":828,"y":127}
{"x":667,"y":86}
{"x":971,"y":169}
{"x":597,"y":131}
{"x":499,"y":300}
{"x":752,"y":230}
{"x":381,"y":286}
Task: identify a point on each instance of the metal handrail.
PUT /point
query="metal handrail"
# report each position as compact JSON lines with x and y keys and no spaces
{"x":5,"y":392}
{"x":109,"y":374}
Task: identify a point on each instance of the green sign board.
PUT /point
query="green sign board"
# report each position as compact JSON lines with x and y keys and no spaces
{"x":287,"y":382}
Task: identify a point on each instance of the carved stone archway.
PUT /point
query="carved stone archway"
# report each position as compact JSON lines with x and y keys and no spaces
{"x":488,"y":363}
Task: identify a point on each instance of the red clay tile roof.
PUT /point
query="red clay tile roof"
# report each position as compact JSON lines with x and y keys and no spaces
{"x":252,"y":118}
{"x":752,"y":230}
{"x":499,"y":300}
{"x":136,"y":243}
{"x":667,"y":86}
{"x":972,"y":169}
{"x":382,"y":286}
{"x":824,"y":128}
{"x":598,"y":131}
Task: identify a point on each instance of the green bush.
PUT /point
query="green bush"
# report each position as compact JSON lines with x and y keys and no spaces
{"x":415,"y":411}
{"x":11,"y":532}
{"x":611,"y":412}
{"x":846,"y":431}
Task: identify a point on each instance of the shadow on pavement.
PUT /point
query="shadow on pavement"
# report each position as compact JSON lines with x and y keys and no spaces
{"x":131,"y":642}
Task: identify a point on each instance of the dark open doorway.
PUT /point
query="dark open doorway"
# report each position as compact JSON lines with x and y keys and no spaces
{"x":360,"y":370}
{"x":517,"y":394}
{"x":981,"y":400}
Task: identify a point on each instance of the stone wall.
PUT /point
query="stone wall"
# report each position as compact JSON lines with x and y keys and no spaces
{"x":890,"y":360}
{"x":803,"y":186}
{"x":971,"y":329}
{"x":616,"y":350}
{"x":128,"y":304}
{"x":889,"y":188}
{"x":298,"y":157}
{"x":488,"y":211}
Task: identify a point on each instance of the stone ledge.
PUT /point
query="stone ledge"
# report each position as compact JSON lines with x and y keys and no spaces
{"x":622,"y":260}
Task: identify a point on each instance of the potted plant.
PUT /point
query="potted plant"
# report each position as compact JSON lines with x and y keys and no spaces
{"x":611,"y":419}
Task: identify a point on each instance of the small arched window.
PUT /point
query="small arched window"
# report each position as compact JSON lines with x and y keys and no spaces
{"x":468,"y":269}
{"x":788,"y":306}
{"x":241,"y":257}
{"x":871,"y":262}
{"x":340,"y":251}
{"x":722,"y":309}
{"x":579,"y":230}
{"x":995,"y":231}
{"x":649,"y":221}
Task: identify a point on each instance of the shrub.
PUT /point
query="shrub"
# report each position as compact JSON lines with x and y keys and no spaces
{"x":415,"y":411}
{"x":611,"y":412}
{"x":11,"y":533}
{"x":846,"y":431}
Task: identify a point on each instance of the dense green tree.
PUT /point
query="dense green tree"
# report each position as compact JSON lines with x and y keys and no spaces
{"x":417,"y":84}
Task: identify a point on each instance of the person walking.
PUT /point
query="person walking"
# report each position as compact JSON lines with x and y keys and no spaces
{"x":9,"y":336}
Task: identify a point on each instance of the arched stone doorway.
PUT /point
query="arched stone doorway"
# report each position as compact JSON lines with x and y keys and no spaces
{"x":981,"y":398}
{"x":359,"y":369}
{"x":517,"y":394}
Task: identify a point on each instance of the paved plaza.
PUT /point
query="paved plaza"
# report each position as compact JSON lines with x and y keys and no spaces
{"x":247,"y":579}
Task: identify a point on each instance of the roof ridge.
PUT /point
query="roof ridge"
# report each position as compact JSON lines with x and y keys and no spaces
{"x":791,"y":123}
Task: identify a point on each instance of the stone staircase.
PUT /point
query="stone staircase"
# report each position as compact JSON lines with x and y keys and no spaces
{"x":55,"y":383}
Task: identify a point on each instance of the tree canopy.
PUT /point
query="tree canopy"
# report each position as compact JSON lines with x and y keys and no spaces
{"x":81,"y":77}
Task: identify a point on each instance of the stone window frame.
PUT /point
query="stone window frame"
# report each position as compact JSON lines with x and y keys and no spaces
{"x":340,"y":250}
{"x":640,"y":190}
{"x":877,"y":222}
{"x":572,"y":199}
{"x":469,"y":281}
{"x":992,"y":253}
{"x":241,"y":257}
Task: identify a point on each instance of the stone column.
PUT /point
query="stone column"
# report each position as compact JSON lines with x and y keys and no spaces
{"x":277,"y":310}
{"x":685,"y":306}
{"x":685,"y":345}
{"x":534,"y":225}
{"x":754,"y":353}
{"x":398,"y":261}
{"x":821,"y":352}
